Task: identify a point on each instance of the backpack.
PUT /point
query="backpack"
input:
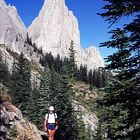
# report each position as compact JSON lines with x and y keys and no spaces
{"x":54,"y":117}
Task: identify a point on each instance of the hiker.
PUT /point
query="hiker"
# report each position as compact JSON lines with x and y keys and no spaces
{"x":51,"y":123}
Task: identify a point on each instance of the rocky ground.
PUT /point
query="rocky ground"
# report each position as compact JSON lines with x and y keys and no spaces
{"x":13,"y":126}
{"x":83,"y":90}
{"x":84,"y":103}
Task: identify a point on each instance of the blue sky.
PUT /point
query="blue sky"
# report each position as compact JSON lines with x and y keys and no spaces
{"x":93,"y":28}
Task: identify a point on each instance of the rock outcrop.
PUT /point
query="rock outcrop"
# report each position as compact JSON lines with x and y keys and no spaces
{"x":9,"y":57}
{"x":12,"y":29}
{"x":12,"y":124}
{"x":55,"y":28}
{"x":90,"y":120}
{"x":13,"y":32}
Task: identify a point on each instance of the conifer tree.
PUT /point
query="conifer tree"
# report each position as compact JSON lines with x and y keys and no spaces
{"x":67,"y":127}
{"x":44,"y":96}
{"x":49,"y":60}
{"x":4,"y":73}
{"x":54,"y":86}
{"x":121,"y":103}
{"x":71,"y":60}
{"x":83,"y":74}
{"x":90,"y":77}
{"x":13,"y":83}
{"x":95,"y":75}
{"x":28,"y":40}
{"x":35,"y":47}
{"x":100,"y":82}
{"x":33,"y":106}
{"x":21,"y":84}
{"x":77,"y":73}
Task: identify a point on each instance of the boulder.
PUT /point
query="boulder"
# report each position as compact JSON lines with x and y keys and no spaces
{"x":14,"y":126}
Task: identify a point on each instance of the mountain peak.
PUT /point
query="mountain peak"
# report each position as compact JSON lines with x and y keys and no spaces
{"x":54,"y":29}
{"x":46,"y":2}
{"x":11,"y":27}
{"x":2,"y":3}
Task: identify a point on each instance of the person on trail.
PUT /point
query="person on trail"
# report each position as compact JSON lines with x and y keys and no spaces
{"x":51,"y":123}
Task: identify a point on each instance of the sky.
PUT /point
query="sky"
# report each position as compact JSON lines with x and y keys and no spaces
{"x":93,"y":29}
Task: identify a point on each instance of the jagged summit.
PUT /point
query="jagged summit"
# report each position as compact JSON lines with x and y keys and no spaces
{"x":2,"y":3}
{"x":12,"y":29}
{"x":53,"y":30}
{"x":55,"y":27}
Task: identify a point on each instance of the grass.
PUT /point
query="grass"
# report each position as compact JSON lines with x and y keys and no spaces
{"x":91,"y":104}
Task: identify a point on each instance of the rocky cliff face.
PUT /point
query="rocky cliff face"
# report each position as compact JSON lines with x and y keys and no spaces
{"x":55,"y":27}
{"x":90,"y":120}
{"x":53,"y":30}
{"x":13,"y":32}
{"x":12,"y":29}
{"x":13,"y":125}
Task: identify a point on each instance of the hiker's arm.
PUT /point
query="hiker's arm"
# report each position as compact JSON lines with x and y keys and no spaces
{"x":45,"y":124}
{"x":56,"y":121}
{"x":56,"y":124}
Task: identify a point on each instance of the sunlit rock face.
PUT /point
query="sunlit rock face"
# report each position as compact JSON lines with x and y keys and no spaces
{"x":12,"y":29}
{"x":53,"y":30}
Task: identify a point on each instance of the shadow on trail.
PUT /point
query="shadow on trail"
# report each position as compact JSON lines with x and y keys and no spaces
{"x":44,"y":137}
{"x":58,"y":136}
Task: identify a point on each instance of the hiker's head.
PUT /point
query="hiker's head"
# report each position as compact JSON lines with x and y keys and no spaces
{"x":51,"y":109}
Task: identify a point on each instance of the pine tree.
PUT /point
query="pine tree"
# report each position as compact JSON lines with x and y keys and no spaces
{"x":95,"y":75}
{"x":100,"y":82}
{"x":4,"y":73}
{"x":58,"y":64}
{"x":44,"y":96}
{"x":35,"y":47}
{"x":77,"y":73}
{"x":49,"y":60}
{"x":28,"y":40}
{"x":83,"y":74}
{"x":33,"y":106}
{"x":54,"y":86}
{"x":121,"y":102}
{"x":71,"y":61}
{"x":90,"y":77}
{"x":67,"y":127}
{"x":13,"y":83}
{"x":21,"y":84}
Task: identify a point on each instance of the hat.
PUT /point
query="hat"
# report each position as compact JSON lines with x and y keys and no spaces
{"x":51,"y":108}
